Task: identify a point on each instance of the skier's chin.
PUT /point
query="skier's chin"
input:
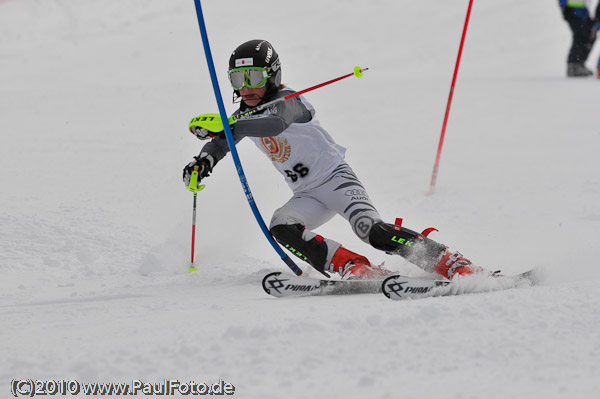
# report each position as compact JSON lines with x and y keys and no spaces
{"x":251,"y":100}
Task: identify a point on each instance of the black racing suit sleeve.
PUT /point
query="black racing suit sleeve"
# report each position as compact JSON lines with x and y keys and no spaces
{"x":279,"y":118}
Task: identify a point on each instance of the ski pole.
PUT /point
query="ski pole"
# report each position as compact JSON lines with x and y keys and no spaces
{"x":192,"y":267}
{"x":443,"y":134}
{"x":358,"y":72}
{"x":194,"y":187}
{"x":212,"y":122}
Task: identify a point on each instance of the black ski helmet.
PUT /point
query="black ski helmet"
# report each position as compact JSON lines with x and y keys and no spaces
{"x":259,"y":53}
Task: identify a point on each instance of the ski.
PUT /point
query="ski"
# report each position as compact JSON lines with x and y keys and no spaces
{"x":396,"y":287}
{"x":401,"y":287}
{"x":280,"y":285}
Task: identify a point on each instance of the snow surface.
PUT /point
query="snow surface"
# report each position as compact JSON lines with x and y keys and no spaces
{"x":95,"y":98}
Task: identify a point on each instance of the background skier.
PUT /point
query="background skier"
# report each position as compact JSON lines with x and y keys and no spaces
{"x":577,"y":15}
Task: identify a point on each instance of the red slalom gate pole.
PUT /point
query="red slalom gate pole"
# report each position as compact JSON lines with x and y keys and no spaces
{"x":448,"y":105}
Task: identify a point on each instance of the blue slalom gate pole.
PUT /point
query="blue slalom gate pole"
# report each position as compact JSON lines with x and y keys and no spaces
{"x":231,"y":143}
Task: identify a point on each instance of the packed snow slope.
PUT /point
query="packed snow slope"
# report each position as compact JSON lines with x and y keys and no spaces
{"x":95,"y":224}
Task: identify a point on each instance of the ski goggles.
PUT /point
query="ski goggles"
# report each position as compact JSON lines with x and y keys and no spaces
{"x":252,"y":77}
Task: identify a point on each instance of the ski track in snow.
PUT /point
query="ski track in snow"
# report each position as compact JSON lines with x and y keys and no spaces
{"x":95,"y":224}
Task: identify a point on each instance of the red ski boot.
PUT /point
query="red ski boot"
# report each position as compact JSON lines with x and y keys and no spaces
{"x":353,"y":266}
{"x":451,"y":264}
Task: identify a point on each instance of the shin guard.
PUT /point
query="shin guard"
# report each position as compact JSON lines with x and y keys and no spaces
{"x":311,"y":248}
{"x":413,"y":246}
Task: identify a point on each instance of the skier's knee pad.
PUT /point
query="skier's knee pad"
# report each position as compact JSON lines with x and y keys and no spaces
{"x":291,"y":236}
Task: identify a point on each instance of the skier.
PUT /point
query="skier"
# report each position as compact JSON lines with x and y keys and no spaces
{"x":323,"y":184}
{"x":576,"y":13}
{"x":594,"y":34}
